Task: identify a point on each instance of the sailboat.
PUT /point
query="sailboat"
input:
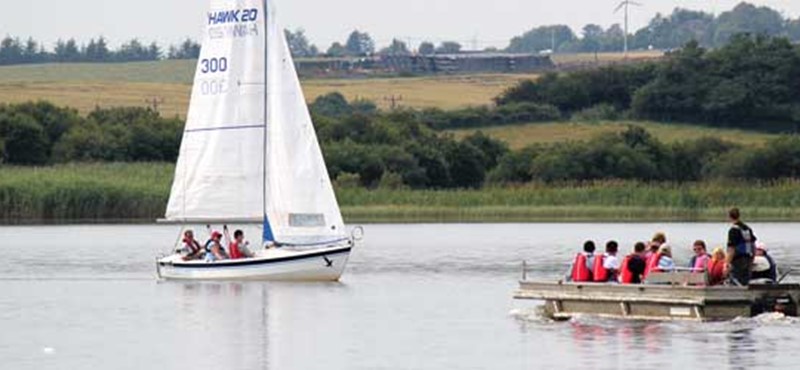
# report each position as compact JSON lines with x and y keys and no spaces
{"x":250,"y":155}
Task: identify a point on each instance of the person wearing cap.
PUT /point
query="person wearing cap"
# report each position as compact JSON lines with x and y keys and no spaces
{"x":741,"y":248}
{"x":764,"y":267}
{"x":214,"y":250}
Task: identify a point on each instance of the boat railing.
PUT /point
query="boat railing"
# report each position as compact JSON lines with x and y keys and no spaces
{"x":678,"y":276}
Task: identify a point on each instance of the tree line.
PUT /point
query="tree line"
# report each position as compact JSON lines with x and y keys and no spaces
{"x":749,"y":83}
{"x":663,"y":32}
{"x":398,"y":148}
{"x":15,"y":51}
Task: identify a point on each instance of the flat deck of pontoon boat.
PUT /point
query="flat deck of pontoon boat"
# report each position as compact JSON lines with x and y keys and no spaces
{"x":678,"y":300}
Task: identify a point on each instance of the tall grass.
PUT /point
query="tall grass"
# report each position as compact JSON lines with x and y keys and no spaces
{"x":607,"y":201}
{"x":139,"y":192}
{"x":86,"y":192}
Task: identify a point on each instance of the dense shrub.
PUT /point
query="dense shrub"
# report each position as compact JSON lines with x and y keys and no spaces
{"x":571,"y":92}
{"x":751,"y":82}
{"x":25,"y":140}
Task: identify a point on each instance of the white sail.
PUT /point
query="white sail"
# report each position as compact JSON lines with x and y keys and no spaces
{"x":230,"y":166}
{"x":219,"y":175}
{"x":301,"y":205}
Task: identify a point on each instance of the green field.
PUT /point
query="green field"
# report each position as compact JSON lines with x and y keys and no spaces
{"x":522,"y":135}
{"x":139,"y":192}
{"x":86,"y":86}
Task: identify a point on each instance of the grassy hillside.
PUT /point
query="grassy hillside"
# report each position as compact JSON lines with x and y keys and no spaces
{"x":85,"y":86}
{"x":519,"y":136}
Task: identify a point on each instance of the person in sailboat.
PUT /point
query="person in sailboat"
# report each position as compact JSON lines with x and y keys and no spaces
{"x":237,"y":249}
{"x":214,"y":249}
{"x":190,"y":250}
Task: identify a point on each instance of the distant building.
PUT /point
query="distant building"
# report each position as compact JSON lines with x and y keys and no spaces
{"x":427,"y":64}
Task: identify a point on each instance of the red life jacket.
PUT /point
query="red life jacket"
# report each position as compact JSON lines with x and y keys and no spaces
{"x":625,"y":274}
{"x":598,"y":270}
{"x":235,"y":253}
{"x":716,"y":272}
{"x":580,"y":273}
{"x":192,"y":244}
{"x":652,"y":264}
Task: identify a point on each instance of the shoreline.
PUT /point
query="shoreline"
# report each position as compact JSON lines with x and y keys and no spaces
{"x":371,"y":215}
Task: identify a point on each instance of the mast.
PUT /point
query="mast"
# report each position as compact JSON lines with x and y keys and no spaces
{"x":267,"y":234}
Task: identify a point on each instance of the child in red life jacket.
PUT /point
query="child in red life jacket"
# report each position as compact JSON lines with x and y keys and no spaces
{"x":606,"y":266}
{"x":633,"y":265}
{"x":583,"y":263}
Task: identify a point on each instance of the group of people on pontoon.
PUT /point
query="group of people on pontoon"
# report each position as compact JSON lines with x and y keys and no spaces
{"x":213,"y":249}
{"x":745,"y":260}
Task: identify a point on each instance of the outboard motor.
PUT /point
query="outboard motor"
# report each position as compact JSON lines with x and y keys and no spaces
{"x":783,"y":304}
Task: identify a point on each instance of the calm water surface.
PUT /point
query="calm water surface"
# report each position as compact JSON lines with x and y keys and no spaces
{"x":413,"y":297}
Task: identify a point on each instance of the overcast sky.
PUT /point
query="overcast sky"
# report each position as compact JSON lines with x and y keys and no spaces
{"x":489,"y":22}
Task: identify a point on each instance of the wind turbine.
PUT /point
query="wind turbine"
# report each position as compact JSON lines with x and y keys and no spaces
{"x":625,"y":4}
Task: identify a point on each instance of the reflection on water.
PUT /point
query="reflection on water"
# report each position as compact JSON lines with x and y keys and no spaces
{"x":415,"y":296}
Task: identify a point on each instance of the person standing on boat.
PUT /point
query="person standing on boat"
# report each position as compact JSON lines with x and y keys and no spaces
{"x":741,"y":248}
{"x":581,"y":270}
{"x":214,"y":250}
{"x":633,"y":265}
{"x":699,"y":262}
{"x":237,"y":249}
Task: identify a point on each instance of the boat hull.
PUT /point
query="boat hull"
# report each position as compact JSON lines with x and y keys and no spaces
{"x":324,"y":264}
{"x":564,"y":300}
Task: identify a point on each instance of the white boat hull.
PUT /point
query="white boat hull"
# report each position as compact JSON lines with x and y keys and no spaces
{"x":322,"y":264}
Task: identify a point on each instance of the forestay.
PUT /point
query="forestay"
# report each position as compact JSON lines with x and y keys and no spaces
{"x":249,"y":150}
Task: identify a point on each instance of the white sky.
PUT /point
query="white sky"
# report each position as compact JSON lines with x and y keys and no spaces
{"x":489,"y":22}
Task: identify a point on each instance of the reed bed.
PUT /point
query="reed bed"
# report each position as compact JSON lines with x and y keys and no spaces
{"x":138,"y":193}
{"x":84,"y":193}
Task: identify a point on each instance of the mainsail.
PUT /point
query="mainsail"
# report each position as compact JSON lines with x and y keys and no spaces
{"x":249,"y":150}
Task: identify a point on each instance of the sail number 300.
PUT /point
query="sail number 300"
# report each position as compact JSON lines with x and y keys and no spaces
{"x":214,"y":65}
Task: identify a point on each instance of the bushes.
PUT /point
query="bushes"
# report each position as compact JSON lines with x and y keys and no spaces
{"x":26,"y":141}
{"x":571,"y":92}
{"x":483,"y":116}
{"x":751,"y":83}
{"x":635,"y":155}
{"x":41,"y":133}
{"x":30,"y":130}
{"x":381,"y":148}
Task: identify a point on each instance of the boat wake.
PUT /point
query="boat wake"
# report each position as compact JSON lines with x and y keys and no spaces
{"x":533,"y":314}
{"x":536,"y":315}
{"x":770,"y":319}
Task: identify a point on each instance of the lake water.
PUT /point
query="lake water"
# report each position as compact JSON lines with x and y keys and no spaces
{"x":413,"y":297}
